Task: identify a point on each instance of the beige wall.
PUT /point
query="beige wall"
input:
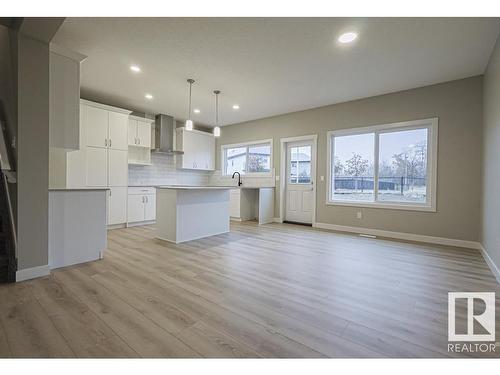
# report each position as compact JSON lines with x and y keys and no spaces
{"x":458,"y":104}
{"x":490,"y":236}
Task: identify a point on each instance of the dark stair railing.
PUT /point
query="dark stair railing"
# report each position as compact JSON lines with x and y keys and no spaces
{"x":8,"y":239}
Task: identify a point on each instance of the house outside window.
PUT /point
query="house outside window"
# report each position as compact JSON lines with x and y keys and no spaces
{"x":388,"y":166}
{"x":251,"y":158}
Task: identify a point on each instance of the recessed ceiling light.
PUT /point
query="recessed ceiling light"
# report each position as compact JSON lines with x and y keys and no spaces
{"x":148,"y":96}
{"x":135,"y":68}
{"x":236,"y":106}
{"x":196,"y":110}
{"x":348,"y":37}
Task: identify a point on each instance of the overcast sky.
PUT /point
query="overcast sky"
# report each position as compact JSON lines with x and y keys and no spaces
{"x":390,"y":144}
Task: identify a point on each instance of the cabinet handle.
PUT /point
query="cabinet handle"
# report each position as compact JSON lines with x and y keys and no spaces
{"x":106,"y":142}
{"x":110,"y":142}
{"x":136,"y":140}
{"x":139,"y":141}
{"x":147,"y":199}
{"x":143,"y":198}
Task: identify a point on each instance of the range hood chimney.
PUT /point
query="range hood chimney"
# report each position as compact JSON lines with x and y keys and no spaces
{"x":164,"y":135}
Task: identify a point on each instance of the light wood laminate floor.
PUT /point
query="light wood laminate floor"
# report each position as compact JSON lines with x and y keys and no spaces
{"x":276,"y":290}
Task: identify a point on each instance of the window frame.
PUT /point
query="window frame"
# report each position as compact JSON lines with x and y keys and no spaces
{"x":431,"y":124}
{"x":248,"y":144}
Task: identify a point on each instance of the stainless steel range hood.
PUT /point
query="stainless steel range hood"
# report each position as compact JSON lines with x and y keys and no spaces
{"x":164,"y":135}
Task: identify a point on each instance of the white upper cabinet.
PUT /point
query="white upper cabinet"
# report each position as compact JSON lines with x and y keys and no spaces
{"x":139,"y":140}
{"x":96,"y":127}
{"x":198,"y":147}
{"x":144,"y":133}
{"x":64,"y":98}
{"x":118,"y":131}
{"x":139,"y":132}
{"x":132,"y":132}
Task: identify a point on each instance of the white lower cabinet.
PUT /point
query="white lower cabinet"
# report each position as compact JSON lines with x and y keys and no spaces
{"x":150,"y":207}
{"x":141,"y":204}
{"x":243,"y":204}
{"x":117,"y":205}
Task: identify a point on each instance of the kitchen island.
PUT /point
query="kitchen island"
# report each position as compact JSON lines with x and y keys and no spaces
{"x":185,"y":213}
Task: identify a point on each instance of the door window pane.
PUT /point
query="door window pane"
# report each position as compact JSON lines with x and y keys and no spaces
{"x":353,"y":172}
{"x":300,"y":165}
{"x":403,"y":166}
{"x":259,"y":158}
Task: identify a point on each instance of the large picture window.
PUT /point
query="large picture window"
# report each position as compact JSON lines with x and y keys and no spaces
{"x":390,"y":166}
{"x":247,"y":158}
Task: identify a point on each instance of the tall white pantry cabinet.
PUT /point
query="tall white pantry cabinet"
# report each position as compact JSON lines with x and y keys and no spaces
{"x":103,"y":157}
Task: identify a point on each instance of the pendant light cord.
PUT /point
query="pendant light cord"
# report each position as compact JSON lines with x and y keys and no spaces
{"x":216,"y":92}
{"x":189,"y":107}
{"x":190,"y":81}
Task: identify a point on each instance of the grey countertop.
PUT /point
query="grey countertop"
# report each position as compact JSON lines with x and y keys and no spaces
{"x":202,"y":187}
{"x":79,"y":189}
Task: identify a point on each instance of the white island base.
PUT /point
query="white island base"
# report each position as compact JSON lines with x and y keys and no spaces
{"x":185,"y":213}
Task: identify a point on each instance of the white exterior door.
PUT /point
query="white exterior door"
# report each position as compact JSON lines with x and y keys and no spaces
{"x":299,"y":193}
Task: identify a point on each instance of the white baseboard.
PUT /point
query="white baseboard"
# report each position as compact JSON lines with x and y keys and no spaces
{"x":140,"y":223}
{"x":402,"y":236}
{"x":32,"y":273}
{"x":493,"y":267}
{"x":116,"y":226}
{"x":277,"y":220}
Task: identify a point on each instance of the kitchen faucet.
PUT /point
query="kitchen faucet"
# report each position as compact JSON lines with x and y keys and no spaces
{"x":239,"y":178}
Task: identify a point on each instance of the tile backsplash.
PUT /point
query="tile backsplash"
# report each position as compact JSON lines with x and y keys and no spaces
{"x":163,"y":172}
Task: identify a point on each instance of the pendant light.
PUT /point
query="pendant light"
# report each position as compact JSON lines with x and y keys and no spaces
{"x":189,"y":122}
{"x":217,"y":128}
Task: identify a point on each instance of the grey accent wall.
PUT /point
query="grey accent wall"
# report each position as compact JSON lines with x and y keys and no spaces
{"x":490,"y":235}
{"x":457,"y":104}
{"x":33,"y":152}
{"x":163,"y":172}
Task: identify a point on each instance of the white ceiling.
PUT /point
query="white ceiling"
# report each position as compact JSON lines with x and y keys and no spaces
{"x":269,"y":66}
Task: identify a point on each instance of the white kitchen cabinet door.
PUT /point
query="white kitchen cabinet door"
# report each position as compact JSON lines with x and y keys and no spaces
{"x":117,"y":205}
{"x":144,"y":133}
{"x":117,"y":168}
{"x":132,"y":132}
{"x":96,"y":167}
{"x":135,"y":209}
{"x":234,"y":203}
{"x":210,"y":153}
{"x":96,"y":127}
{"x":118,"y":131}
{"x":150,"y":207}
